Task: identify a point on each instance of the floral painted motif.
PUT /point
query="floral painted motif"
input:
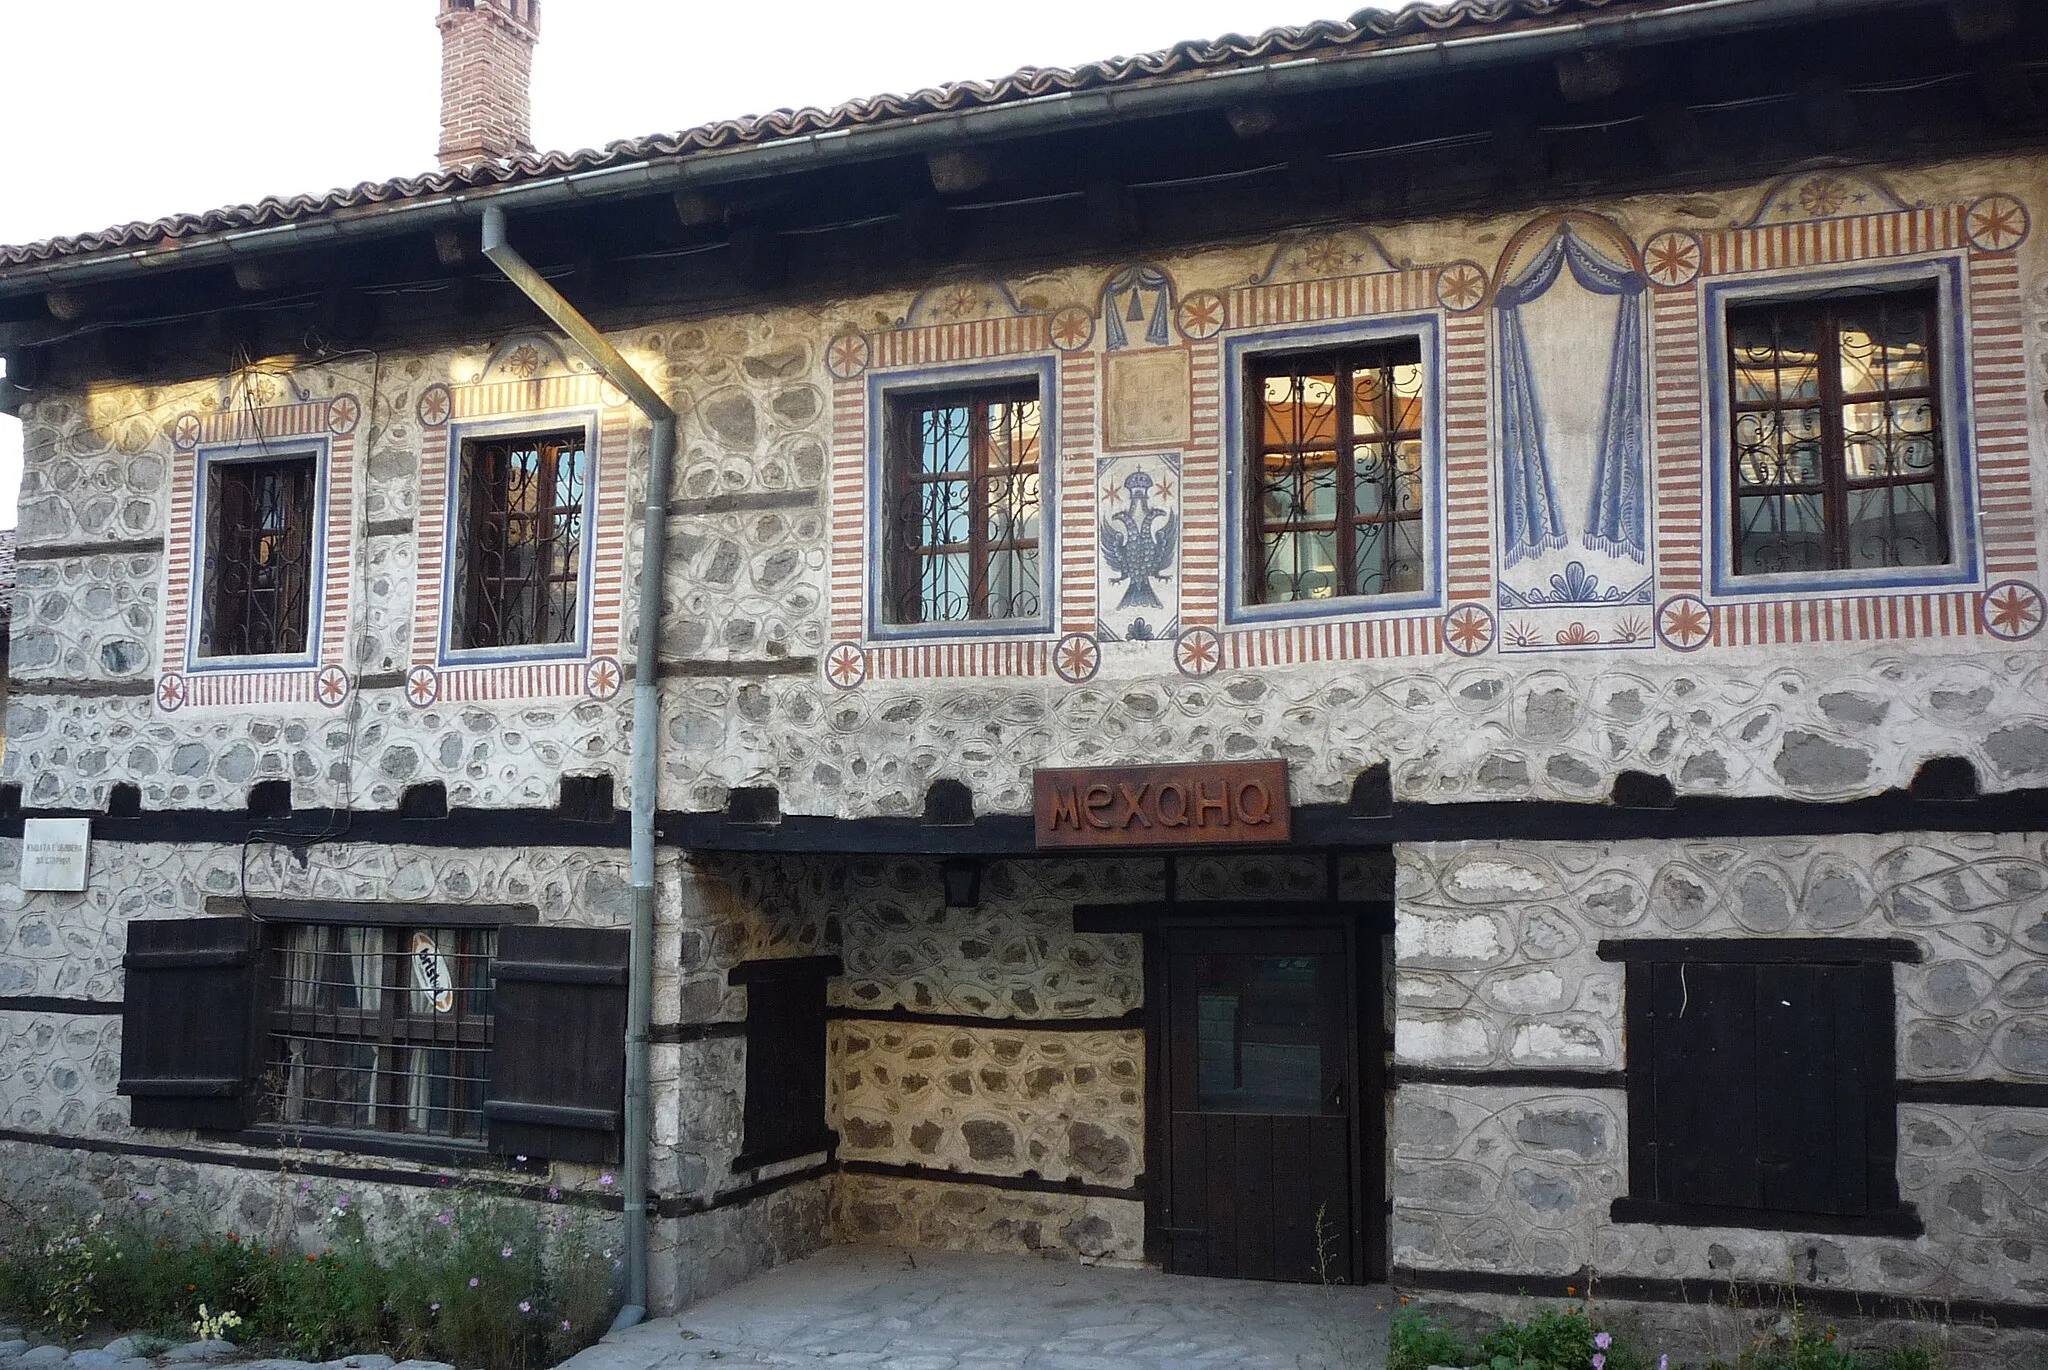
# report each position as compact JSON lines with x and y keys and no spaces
{"x":1077,"y":658}
{"x":1198,"y":652}
{"x":847,"y":356}
{"x":602,"y":678}
{"x":1685,"y":623}
{"x":1468,"y":630}
{"x":1672,"y":259}
{"x":1461,"y":286}
{"x":1072,"y":328}
{"x":330,"y":686}
{"x":2013,"y":611}
{"x":1997,"y":223}
{"x":435,"y":406}
{"x":170,"y":692}
{"x":846,"y":665}
{"x":422,"y":686}
{"x":1201,"y":315}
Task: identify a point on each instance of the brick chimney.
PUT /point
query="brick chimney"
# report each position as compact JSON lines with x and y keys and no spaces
{"x":486,"y":79}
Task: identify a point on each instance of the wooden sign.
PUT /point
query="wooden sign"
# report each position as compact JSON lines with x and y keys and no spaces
{"x":1159,"y":806}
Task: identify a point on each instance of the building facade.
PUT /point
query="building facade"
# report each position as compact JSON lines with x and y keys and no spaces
{"x":1464,"y":710}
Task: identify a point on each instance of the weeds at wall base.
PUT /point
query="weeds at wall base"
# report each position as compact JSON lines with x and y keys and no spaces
{"x":481,"y":1282}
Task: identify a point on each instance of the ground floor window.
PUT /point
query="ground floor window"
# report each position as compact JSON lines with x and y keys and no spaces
{"x":383,"y":1029}
{"x":1761,"y":1083}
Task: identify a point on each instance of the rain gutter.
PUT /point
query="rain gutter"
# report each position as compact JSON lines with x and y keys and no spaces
{"x":646,"y":740}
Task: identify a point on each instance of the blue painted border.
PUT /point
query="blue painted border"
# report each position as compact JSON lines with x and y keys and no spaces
{"x":446,"y":653}
{"x":1237,"y":348}
{"x":318,"y":448}
{"x":1946,"y":274}
{"x":882,"y":385}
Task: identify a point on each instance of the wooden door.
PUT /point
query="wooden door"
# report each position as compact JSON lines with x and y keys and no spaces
{"x":1261,"y":1103}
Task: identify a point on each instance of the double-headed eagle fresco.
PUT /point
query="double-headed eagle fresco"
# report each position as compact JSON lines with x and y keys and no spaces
{"x":1138,"y":543}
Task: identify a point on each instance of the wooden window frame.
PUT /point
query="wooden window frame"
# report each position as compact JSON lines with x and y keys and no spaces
{"x":1341,"y":362}
{"x":478,"y":523}
{"x":905,"y":551}
{"x":1862,"y":968}
{"x":1835,"y":485}
{"x":223,"y":609}
{"x":390,"y":1028}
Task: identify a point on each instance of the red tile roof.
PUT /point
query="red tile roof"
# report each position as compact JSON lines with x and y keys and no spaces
{"x":1364,"y":30}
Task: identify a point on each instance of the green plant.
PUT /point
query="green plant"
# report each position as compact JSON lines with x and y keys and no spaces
{"x":1417,"y":1341}
{"x":482,"y":1282}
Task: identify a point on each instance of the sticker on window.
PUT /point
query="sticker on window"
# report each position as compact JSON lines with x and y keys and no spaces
{"x":430,"y":972}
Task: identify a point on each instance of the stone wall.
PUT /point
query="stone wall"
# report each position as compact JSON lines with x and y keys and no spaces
{"x":748,"y":582}
{"x":1496,"y":968}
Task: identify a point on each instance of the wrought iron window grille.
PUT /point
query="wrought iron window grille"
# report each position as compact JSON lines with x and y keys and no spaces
{"x":963,"y":526}
{"x":1837,"y":453}
{"x":1336,"y":484}
{"x":520,"y":536}
{"x":258,"y":554}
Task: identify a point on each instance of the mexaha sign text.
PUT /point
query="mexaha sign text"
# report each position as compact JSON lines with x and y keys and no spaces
{"x":1151,"y":806}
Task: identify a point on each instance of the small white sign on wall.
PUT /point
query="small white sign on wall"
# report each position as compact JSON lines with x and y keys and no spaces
{"x":53,"y":853}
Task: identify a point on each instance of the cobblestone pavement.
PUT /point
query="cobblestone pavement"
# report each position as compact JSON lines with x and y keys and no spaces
{"x":885,"y":1308}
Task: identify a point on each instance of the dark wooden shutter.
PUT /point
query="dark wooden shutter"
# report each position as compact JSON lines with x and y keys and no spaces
{"x":188,"y":1022}
{"x":558,"y":1046}
{"x":784,"y":1113}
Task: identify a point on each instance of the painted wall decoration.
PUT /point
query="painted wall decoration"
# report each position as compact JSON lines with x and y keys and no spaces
{"x":1137,"y":308}
{"x":1573,"y":465}
{"x":1138,"y":547}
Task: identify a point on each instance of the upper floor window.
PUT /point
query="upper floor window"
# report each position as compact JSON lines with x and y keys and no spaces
{"x":1335,"y":483}
{"x":257,"y":588}
{"x":1837,"y":457}
{"x":964,"y":527}
{"x":519,"y":540}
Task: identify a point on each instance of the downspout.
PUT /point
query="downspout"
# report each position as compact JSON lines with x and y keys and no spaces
{"x":646,"y":743}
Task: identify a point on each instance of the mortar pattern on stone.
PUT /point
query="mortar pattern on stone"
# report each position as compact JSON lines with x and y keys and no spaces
{"x":1496,"y":943}
{"x":1061,"y":1105}
{"x":933,"y":1213}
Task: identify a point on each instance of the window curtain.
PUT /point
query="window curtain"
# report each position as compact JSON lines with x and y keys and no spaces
{"x":1615,"y":520}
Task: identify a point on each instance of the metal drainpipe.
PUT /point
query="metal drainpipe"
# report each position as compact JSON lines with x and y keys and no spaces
{"x":646,"y":744}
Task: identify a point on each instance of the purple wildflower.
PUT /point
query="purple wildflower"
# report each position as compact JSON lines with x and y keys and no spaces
{"x":507,"y":1253}
{"x":1599,"y":1361}
{"x":142,"y":1196}
{"x":1603,"y":1340}
{"x":554,"y":1192}
{"x":565,"y":1324}
{"x":473,"y":1281}
{"x":604,"y":1179}
{"x":433,"y":1308}
{"x":525,"y":1307}
{"x":444,"y":1217}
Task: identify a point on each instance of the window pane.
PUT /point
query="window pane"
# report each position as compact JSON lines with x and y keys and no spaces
{"x":1301,"y":566}
{"x":1883,"y":345}
{"x":1779,"y":533}
{"x":258,"y":557}
{"x":944,"y":440}
{"x":1895,"y":525}
{"x":520,"y":553}
{"x":1779,"y":447}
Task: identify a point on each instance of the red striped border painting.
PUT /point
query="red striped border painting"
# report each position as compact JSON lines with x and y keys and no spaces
{"x":1340,"y":297}
{"x":1866,"y":619}
{"x":938,"y":660}
{"x":1998,"y":364}
{"x":1352,"y":640}
{"x":249,"y":687}
{"x":1077,"y":449}
{"x":1676,"y":401}
{"x":1201,"y":495}
{"x":536,"y":680}
{"x":968,"y":341}
{"x":430,"y":530}
{"x":1468,"y":517}
{"x":607,"y":579}
{"x":849,"y":508}
{"x":1897,"y":233}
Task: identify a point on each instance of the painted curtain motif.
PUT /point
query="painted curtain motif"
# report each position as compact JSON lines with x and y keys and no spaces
{"x":1137,"y":540}
{"x":1573,"y":440}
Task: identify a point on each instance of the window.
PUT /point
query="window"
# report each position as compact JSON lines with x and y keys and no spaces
{"x":380,"y":1029}
{"x":964,"y":527}
{"x":1837,"y":453}
{"x":784,"y":1114}
{"x":519,"y":540}
{"x":408,"y":1028}
{"x":1335,"y":484}
{"x":1760,"y":1084}
{"x":258,"y":571}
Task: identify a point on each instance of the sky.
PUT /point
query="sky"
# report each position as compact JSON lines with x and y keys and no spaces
{"x":132,"y":109}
